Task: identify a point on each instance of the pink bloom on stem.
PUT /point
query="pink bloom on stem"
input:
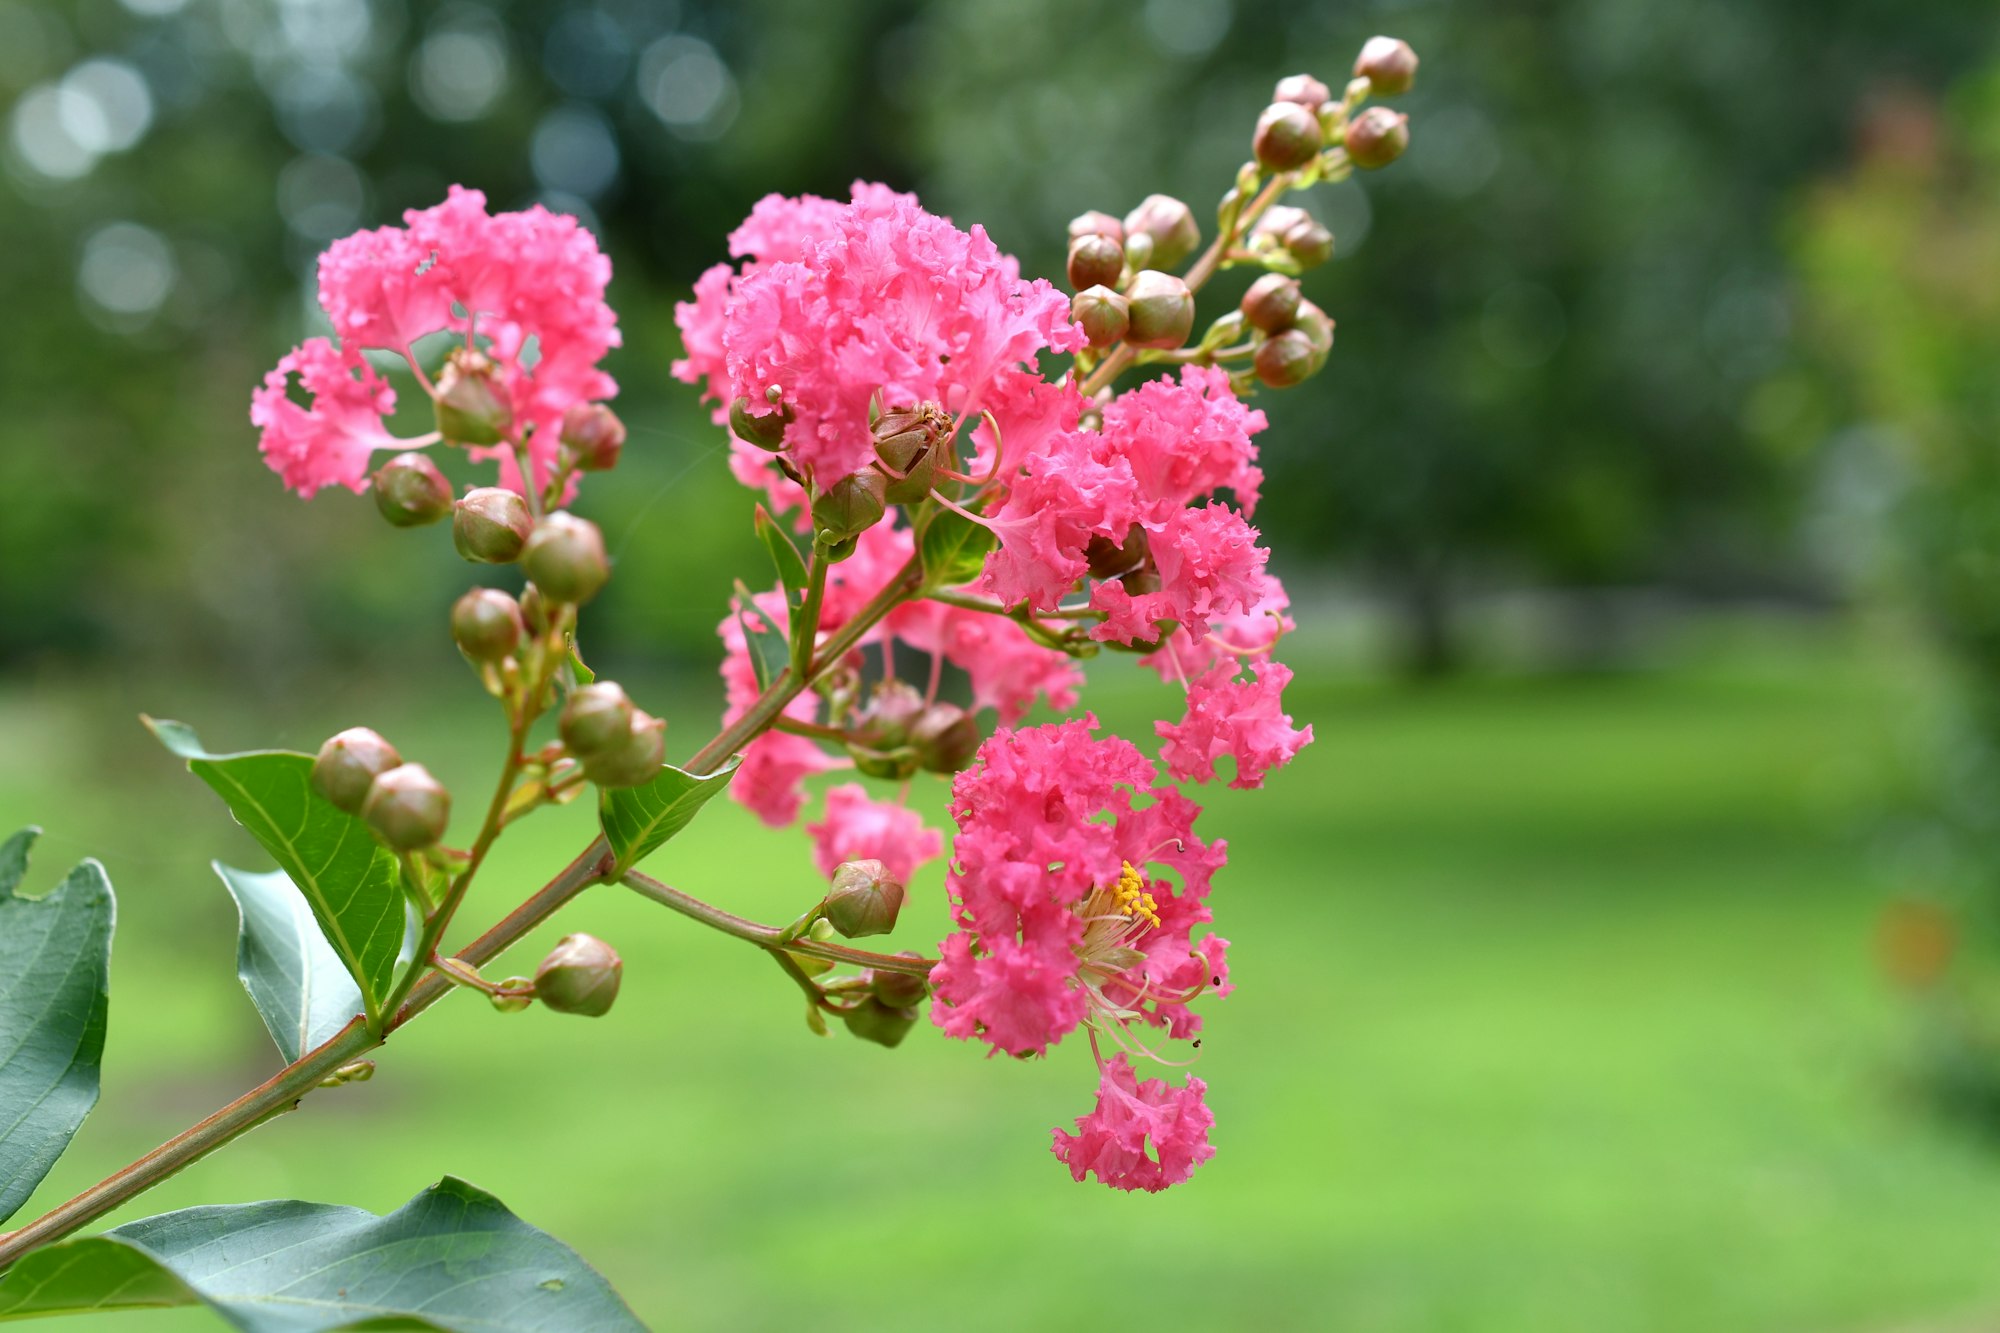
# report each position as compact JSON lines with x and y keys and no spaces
{"x":331,"y":442}
{"x":1244,"y":719}
{"x":1142,"y":1135}
{"x":1067,"y":496}
{"x":858,"y":828}
{"x":1185,"y":438}
{"x":1209,"y":565}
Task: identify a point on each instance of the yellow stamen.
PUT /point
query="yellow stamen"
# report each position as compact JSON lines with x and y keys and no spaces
{"x":1131,"y":899}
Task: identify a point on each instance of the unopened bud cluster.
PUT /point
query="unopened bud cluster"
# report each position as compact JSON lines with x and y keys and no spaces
{"x":618,"y":744}
{"x":898,"y":734}
{"x":361,"y":773}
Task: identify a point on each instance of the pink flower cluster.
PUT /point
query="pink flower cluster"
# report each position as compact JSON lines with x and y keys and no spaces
{"x":1077,"y":884}
{"x":526,"y":287}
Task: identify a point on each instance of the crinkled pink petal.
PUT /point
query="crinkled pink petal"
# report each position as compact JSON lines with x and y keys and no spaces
{"x":859,"y":828}
{"x":1186,"y":438}
{"x":1018,"y":999}
{"x":331,"y":442}
{"x":1141,"y":1135}
{"x":1244,"y":719}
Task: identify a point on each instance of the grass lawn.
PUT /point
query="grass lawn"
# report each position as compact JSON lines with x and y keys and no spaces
{"x":1556,"y":1010}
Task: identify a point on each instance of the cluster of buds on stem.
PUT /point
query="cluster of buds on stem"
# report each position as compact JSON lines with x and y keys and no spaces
{"x":361,"y":773}
{"x":618,"y":744}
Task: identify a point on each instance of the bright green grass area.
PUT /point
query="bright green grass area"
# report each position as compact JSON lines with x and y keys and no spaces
{"x":1556,"y":1010}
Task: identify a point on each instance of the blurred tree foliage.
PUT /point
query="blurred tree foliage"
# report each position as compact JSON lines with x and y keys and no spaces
{"x":1899,"y":264}
{"x":1557,"y":305}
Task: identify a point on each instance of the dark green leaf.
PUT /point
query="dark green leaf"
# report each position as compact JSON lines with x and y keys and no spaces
{"x":296,"y":980}
{"x":351,"y":882}
{"x":784,"y":554}
{"x":452,"y":1258}
{"x":638,"y":820}
{"x":55,"y":960}
{"x":954,"y":549}
{"x":770,"y":652}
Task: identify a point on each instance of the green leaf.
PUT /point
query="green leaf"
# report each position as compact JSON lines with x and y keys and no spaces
{"x":55,"y":962}
{"x":784,"y":554}
{"x":638,"y":821}
{"x":954,"y":549}
{"x":452,"y":1258}
{"x":351,"y":882}
{"x":770,"y":651}
{"x":296,"y":980}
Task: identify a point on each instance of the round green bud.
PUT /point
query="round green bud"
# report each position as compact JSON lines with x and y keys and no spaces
{"x":486,"y":624}
{"x":766,"y":431}
{"x":490,"y":525}
{"x":1389,"y":65}
{"x":1310,"y":243}
{"x":411,"y":492}
{"x":1302,"y":89}
{"x":469,"y":407}
{"x":1161,"y":309}
{"x":1377,"y":137}
{"x":1095,"y":223}
{"x":1169,"y":224}
{"x":595,"y":718}
{"x":634,"y":761}
{"x":909,"y":441}
{"x":1272,"y":303}
{"x":851,"y":505}
{"x":580,"y":976}
{"x":1317,"y":326}
{"x":898,"y":990}
{"x":1095,"y":261}
{"x":594,"y":436}
{"x":407,"y":807}
{"x":864,"y":900}
{"x":348,"y":764}
{"x":1104,"y":314}
{"x":893,"y":708}
{"x":565,"y":557}
{"x":1286,"y":360}
{"x":883,"y":1024}
{"x":945,"y":738}
{"x":1287,"y":137}
{"x":535,"y":611}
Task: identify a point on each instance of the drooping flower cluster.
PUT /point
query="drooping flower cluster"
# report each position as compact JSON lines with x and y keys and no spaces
{"x":523,"y":291}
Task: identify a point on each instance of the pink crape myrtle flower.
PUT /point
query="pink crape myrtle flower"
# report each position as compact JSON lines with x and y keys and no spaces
{"x":1058,"y":923}
{"x":1185,"y":439}
{"x":330,"y":443}
{"x":874,"y":302}
{"x":1142,"y":1135}
{"x":1007,"y":670}
{"x":1242,"y":719}
{"x":503,"y":282}
{"x":858,"y":828}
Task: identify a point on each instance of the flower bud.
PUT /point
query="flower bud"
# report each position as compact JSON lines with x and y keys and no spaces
{"x":490,"y":525}
{"x":634,"y":761}
{"x":1095,"y":223}
{"x":945,"y":738}
{"x":1310,"y":243}
{"x":1095,"y":261}
{"x":1272,"y":303}
{"x":899,"y":990}
{"x":908,"y":441}
{"x":1389,"y":65}
{"x":580,"y":976}
{"x":594,"y":436}
{"x":1110,"y":560}
{"x":1377,"y":137}
{"x":565,"y":558}
{"x":1162,"y":310}
{"x":851,"y":505}
{"x":1104,"y":314}
{"x":1288,"y":136}
{"x":1286,"y":360}
{"x":766,"y":431}
{"x":535,"y":611}
{"x":883,"y":1024}
{"x":410,"y":491}
{"x":487,"y":624}
{"x":469,"y":407}
{"x":1302,"y":89}
{"x":1169,"y":224}
{"x":892,"y":710}
{"x":595,"y":718}
{"x":863,"y":900}
{"x":1317,"y":326}
{"x":348,"y":764}
{"x":407,"y":807}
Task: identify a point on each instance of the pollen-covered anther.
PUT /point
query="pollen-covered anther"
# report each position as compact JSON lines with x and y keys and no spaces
{"x":1131,"y":899}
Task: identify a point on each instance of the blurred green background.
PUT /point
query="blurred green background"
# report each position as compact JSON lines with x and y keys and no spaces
{"x":1623,"y":956}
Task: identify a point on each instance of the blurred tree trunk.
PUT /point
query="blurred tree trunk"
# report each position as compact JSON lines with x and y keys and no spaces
{"x":1429,"y":647}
